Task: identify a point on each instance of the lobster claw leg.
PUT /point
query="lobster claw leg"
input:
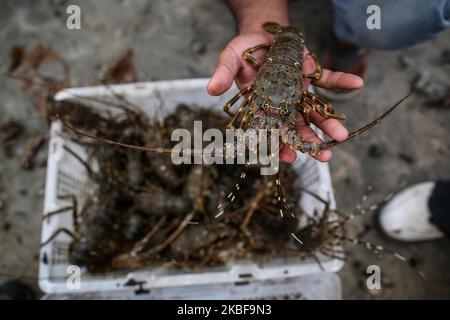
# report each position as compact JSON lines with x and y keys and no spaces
{"x":297,"y":143}
{"x":318,"y":72}
{"x":248,"y":54}
{"x":326,"y":110}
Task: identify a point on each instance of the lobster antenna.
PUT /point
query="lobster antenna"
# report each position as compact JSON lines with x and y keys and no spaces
{"x":232,"y":195}
{"x":117,"y":143}
{"x":378,"y":250}
{"x":136,"y":147}
{"x":332,"y":143}
{"x":362,"y":211}
{"x":363,"y":199}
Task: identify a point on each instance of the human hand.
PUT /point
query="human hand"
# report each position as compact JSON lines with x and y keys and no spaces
{"x":232,"y":66}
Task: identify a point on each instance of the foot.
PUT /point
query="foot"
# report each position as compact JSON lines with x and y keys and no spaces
{"x":415,"y":214}
{"x":344,"y":57}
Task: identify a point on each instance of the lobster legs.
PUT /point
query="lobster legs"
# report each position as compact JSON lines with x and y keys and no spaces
{"x":318,"y":72}
{"x":295,"y":142}
{"x":241,"y":108}
{"x":248,"y":54}
{"x":311,"y":102}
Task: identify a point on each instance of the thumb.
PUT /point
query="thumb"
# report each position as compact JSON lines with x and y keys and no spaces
{"x":226,"y":71}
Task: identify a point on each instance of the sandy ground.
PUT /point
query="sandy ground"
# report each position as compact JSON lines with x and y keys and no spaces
{"x":181,"y":39}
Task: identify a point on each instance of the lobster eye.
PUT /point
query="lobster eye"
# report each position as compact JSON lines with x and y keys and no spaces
{"x":265,"y":106}
{"x":284,"y":111}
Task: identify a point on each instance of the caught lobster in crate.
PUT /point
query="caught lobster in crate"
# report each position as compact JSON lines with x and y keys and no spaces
{"x":245,"y":241}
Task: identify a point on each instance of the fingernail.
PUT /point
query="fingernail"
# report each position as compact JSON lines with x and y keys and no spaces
{"x":211,"y":85}
{"x":361,"y":82}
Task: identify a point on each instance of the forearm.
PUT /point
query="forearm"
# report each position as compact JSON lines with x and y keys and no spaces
{"x":251,"y":14}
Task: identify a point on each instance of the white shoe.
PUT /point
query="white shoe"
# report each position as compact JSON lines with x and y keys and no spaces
{"x":406,"y":217}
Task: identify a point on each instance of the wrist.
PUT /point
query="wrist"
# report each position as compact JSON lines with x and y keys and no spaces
{"x":255,"y":25}
{"x":251,"y":14}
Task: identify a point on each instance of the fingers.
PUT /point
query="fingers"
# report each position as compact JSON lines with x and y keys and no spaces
{"x":339,"y":80}
{"x":331,"y":127}
{"x":226,"y":71}
{"x":309,"y":65}
{"x":331,"y":79}
{"x":288,"y":155}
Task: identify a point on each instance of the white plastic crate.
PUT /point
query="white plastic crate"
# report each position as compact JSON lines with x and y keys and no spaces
{"x":66,"y":175}
{"x":320,"y":286}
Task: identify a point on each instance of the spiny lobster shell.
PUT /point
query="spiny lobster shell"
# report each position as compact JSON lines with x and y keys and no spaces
{"x":278,"y":88}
